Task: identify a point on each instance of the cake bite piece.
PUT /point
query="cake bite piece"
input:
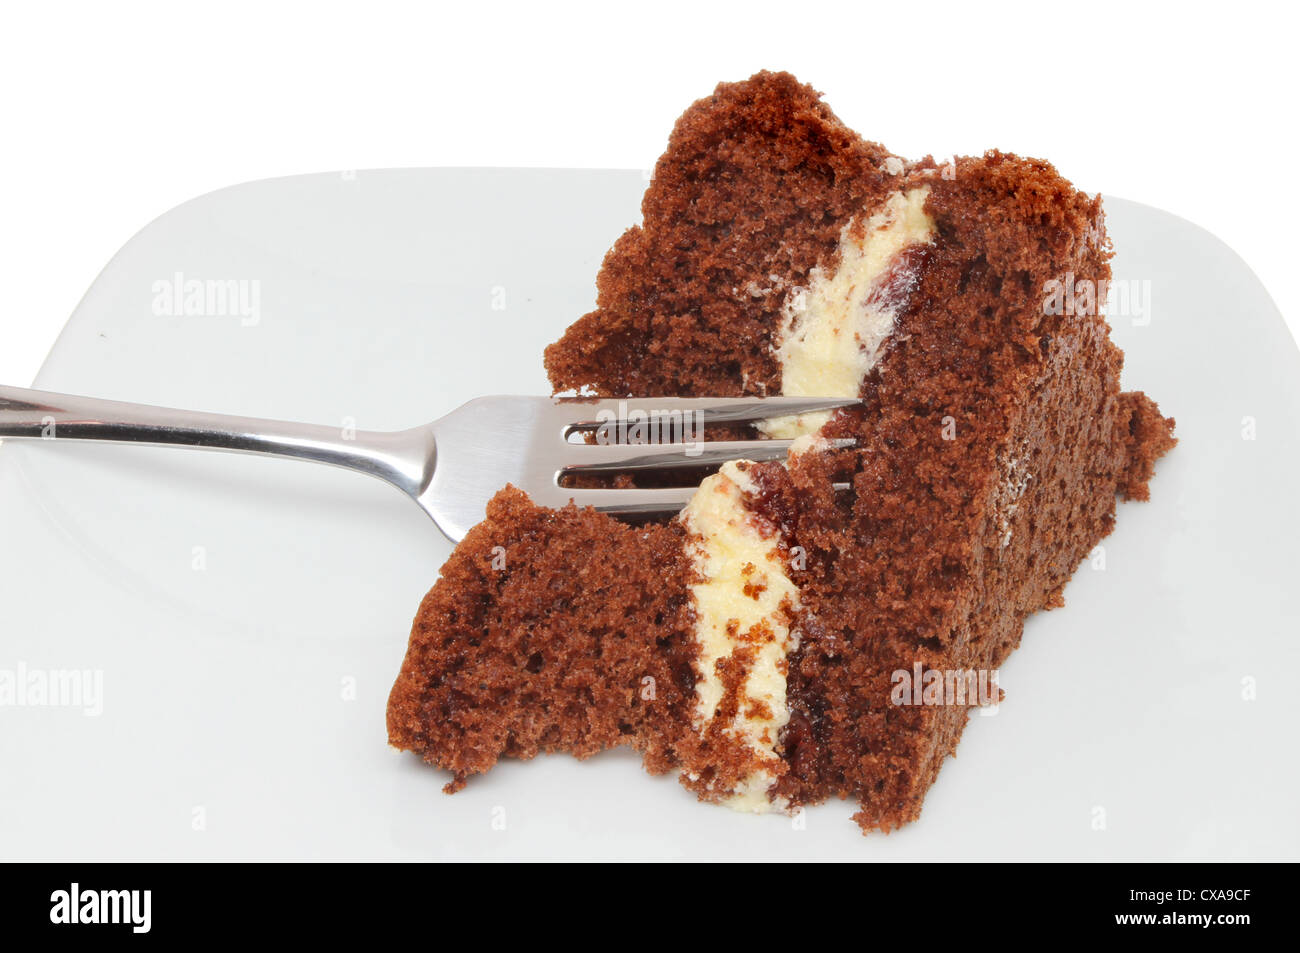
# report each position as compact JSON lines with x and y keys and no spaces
{"x":759,"y":643}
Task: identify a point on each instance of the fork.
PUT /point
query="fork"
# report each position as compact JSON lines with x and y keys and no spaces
{"x":453,"y":466}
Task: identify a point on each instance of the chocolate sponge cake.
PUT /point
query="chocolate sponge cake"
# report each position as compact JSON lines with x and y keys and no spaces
{"x":758,"y":642}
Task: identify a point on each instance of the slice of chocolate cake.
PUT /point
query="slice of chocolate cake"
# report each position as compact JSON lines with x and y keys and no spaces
{"x":766,"y":642}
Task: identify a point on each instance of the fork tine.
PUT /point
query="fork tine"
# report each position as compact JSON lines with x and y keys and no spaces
{"x":624,"y":457}
{"x":587,"y":414}
{"x":619,"y":503}
{"x":629,"y":502}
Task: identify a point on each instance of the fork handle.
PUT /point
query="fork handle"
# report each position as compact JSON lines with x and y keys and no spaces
{"x":402,"y":458}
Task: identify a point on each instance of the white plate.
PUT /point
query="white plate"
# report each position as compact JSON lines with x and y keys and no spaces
{"x":247,"y":616}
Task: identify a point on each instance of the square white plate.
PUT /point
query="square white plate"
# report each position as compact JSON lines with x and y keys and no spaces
{"x":243,"y":618}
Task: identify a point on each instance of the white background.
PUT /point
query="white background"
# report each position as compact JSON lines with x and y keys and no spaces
{"x":112,"y":114}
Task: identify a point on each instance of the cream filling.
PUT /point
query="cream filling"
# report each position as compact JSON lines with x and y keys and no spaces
{"x":834,"y":331}
{"x":741,"y":599}
{"x":833,"y":334}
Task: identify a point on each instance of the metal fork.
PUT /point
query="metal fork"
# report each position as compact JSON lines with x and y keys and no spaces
{"x":453,"y":466}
